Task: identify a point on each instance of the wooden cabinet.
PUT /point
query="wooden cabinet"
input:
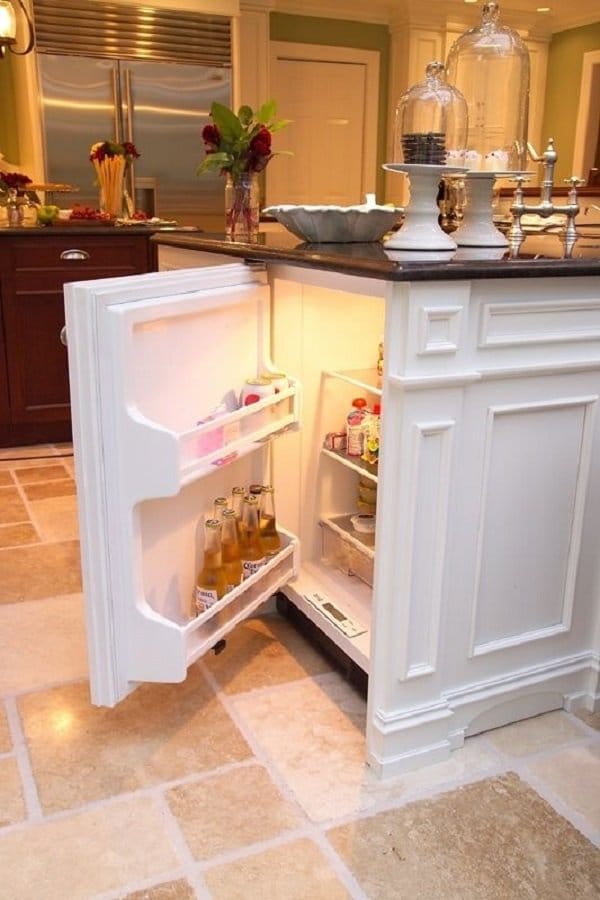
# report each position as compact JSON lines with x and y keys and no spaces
{"x":34,"y":266}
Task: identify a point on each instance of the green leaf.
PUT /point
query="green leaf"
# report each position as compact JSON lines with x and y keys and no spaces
{"x":226,"y":121}
{"x":245,"y":115}
{"x":214,"y":162}
{"x":266,"y":113}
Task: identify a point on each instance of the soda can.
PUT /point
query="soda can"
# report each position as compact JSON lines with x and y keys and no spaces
{"x":256,"y":389}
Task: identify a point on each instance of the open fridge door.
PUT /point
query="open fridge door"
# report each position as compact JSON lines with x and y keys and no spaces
{"x":151,"y":358}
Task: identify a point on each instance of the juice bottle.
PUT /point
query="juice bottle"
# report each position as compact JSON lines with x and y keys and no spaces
{"x":252,"y":554}
{"x":219,"y":505}
{"x":211,"y":583}
{"x":230,"y":549}
{"x":268,"y":524}
{"x":354,"y":427}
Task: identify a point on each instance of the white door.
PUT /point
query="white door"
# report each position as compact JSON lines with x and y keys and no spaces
{"x":150,"y":357}
{"x":330,"y":94}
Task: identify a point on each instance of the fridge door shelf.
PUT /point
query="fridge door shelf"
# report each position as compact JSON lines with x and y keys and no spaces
{"x":174,"y":459}
{"x":364,"y":469}
{"x":349,"y":551}
{"x":165,"y":649}
{"x":365,"y":379}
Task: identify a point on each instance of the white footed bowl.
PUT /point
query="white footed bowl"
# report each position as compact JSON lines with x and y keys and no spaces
{"x":336,"y":224}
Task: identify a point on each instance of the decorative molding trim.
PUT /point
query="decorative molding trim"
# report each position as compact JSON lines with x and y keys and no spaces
{"x":431,"y":317}
{"x":557,"y":331}
{"x":430,"y":382}
{"x":583,"y":471}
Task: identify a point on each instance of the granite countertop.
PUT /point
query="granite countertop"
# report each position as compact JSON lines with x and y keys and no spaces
{"x":63,"y":230}
{"x":541,"y":256}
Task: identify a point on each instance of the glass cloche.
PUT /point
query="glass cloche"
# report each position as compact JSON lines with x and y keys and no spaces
{"x":489,"y":65}
{"x":431,"y":122}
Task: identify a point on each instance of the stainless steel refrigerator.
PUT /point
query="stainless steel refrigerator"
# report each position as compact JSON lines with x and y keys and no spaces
{"x":160,"y":102}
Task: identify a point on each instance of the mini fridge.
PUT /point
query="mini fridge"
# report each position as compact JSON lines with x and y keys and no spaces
{"x":151,"y":357}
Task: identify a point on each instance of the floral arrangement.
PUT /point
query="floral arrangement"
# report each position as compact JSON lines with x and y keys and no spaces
{"x":110,"y":160}
{"x":239,"y":143}
{"x":14,"y":181}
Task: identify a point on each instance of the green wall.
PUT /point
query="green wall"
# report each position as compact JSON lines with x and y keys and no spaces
{"x":342,"y":33}
{"x":565,"y":62}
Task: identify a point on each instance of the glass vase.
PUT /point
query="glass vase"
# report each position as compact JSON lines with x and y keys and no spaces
{"x":110,"y":174}
{"x":242,"y":206}
{"x":15,"y":211}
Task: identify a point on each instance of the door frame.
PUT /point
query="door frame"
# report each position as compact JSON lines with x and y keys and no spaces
{"x":585,"y":116}
{"x":286,"y":50}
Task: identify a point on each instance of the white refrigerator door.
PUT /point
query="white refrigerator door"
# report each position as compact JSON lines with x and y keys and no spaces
{"x":150,"y":358}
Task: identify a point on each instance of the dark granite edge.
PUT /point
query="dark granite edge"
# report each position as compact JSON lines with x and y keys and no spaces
{"x":385,"y":269}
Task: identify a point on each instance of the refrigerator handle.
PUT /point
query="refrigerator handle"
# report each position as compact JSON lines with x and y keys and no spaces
{"x":130,"y":171}
{"x":117,"y":109}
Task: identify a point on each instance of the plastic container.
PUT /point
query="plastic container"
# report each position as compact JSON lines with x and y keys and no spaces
{"x":354,"y":427}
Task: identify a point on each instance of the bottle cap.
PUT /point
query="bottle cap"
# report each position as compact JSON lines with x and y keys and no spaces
{"x":359,"y":402}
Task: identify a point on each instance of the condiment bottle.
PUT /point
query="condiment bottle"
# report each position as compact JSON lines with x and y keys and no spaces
{"x":354,"y":429}
{"x":371,"y":427}
{"x":211,"y":583}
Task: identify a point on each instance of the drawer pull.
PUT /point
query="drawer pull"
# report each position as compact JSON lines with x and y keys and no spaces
{"x":74,"y":254}
{"x":63,"y":336}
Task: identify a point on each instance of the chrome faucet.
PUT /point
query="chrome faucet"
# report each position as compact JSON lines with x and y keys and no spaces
{"x":546,"y":206}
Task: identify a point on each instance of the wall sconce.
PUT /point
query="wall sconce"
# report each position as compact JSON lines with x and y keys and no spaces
{"x":8,"y":29}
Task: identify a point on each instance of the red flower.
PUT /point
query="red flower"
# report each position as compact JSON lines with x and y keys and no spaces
{"x":261,"y":142}
{"x":14,"y":180}
{"x":211,"y":137}
{"x":130,"y":150}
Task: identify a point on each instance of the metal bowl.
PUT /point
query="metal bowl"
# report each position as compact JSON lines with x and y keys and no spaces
{"x":336,"y":224}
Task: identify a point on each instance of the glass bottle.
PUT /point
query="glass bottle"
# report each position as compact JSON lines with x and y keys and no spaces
{"x":219,"y":505}
{"x":252,"y":554}
{"x":269,"y":535}
{"x":211,"y":583}
{"x":230,"y":549}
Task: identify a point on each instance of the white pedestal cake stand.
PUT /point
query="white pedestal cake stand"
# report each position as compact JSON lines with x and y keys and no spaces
{"x":477,"y":228}
{"x":421,"y":230}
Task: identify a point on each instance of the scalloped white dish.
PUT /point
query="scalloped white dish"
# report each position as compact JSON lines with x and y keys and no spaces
{"x":336,"y":224}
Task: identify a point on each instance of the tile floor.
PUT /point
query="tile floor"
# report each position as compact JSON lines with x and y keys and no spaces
{"x":248,"y":781}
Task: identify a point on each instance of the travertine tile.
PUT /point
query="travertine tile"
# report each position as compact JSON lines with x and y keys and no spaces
{"x":492,"y":840}
{"x":170,"y":890}
{"x":56,"y":518}
{"x":591,"y":719}
{"x":46,"y":489}
{"x":230,"y":811}
{"x":574,"y":775}
{"x":81,"y":753}
{"x":546,"y":732}
{"x":18,"y":535}
{"x":42,"y":642}
{"x":12,"y":805}
{"x":85,"y":854}
{"x":31,"y":474}
{"x":264,"y":651}
{"x":294,"y":871}
{"x":12,"y":508}
{"x":6,"y":479}
{"x":24,"y":456}
{"x":42,"y":570}
{"x":5,"y":740}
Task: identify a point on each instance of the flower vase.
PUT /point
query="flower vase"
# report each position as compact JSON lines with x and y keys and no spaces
{"x":110,"y":173}
{"x":15,"y":211}
{"x":242,"y":206}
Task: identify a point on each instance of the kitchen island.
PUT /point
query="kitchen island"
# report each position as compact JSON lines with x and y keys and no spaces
{"x":485,"y":606}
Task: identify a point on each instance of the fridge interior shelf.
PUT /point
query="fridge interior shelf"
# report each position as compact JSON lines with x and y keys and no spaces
{"x":178,"y":458}
{"x":348,"y":550}
{"x":369,"y":470}
{"x":365,"y":379}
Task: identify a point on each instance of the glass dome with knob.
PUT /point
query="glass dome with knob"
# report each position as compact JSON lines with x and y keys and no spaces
{"x":430,"y":134}
{"x":489,"y":65}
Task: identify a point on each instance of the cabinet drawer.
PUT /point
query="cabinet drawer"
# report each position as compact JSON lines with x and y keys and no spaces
{"x":98,"y":251}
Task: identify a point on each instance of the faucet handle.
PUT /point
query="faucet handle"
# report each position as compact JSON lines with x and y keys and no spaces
{"x":574,"y":181}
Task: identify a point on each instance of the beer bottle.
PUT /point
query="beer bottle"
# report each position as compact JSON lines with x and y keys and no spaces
{"x":211,"y":583}
{"x":230,"y":549}
{"x":219,"y":504}
{"x":269,"y":536}
{"x":252,"y":555}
